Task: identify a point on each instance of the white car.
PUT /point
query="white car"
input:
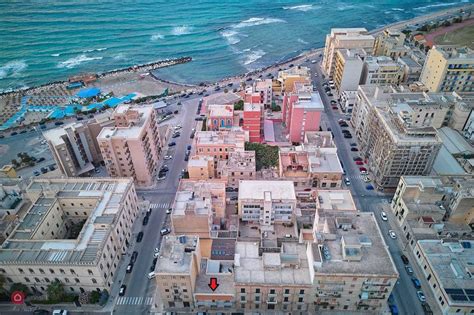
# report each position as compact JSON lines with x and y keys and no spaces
{"x":157,"y":250}
{"x":347,"y":181}
{"x":383,"y":215}
{"x":363,"y":172}
{"x":168,"y":211}
{"x":313,"y":61}
{"x":177,"y":127}
{"x":162,"y":178}
{"x":392,"y":234}
{"x":366,"y":179}
{"x":157,"y":254}
{"x":168,"y":157}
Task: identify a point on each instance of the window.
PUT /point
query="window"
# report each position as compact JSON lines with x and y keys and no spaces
{"x":94,"y":280}
{"x":257,"y":290}
{"x":2,"y":270}
{"x":66,"y":280}
{"x":301,"y":291}
{"x":27,"y":279}
{"x":77,"y":280}
{"x":271,"y":306}
{"x":51,"y":271}
{"x":287,"y":291}
{"x":72,"y":271}
{"x":90,"y":272}
{"x":272,"y":291}
{"x":20,"y":270}
{"x":31,"y":270}
{"x":242,"y":290}
{"x":186,"y":304}
{"x":37,"y":280}
{"x":62,"y":271}
{"x":47,"y":280}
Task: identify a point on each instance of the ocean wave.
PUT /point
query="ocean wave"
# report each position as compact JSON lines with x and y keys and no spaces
{"x":343,"y":7}
{"x":302,"y":41}
{"x":12,"y":69}
{"x":75,"y":61}
{"x":254,"y":56}
{"x":301,"y":7}
{"x":94,"y":49}
{"x":255,"y":21}
{"x":398,"y":9}
{"x":181,"y":30}
{"x":156,"y":37}
{"x":436,"y":5}
{"x":120,"y":56}
{"x":231,"y":36}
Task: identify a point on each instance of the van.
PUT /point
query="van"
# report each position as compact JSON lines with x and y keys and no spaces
{"x":151,"y":275}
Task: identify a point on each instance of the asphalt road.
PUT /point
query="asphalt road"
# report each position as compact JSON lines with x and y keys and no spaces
{"x":368,"y":200}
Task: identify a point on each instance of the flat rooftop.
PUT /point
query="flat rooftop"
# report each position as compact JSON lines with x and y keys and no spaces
{"x":176,"y":254}
{"x":309,"y":101}
{"x":362,"y":230}
{"x":221,"y":99}
{"x":55,"y":136}
{"x":199,"y":196}
{"x":234,"y":137}
{"x":257,"y":189}
{"x":451,"y":262}
{"x":336,"y":200}
{"x":132,"y":131}
{"x":220,"y":110}
{"x":200,"y":161}
{"x":271,"y":268}
{"x":107,"y":194}
{"x":322,"y":139}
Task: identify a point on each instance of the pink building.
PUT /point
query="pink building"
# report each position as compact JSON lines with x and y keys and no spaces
{"x":133,"y":146}
{"x":301,"y":111}
{"x":220,"y":117}
{"x":253,"y":121}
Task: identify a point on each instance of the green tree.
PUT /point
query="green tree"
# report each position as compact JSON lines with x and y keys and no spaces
{"x":19,"y":287}
{"x":94,"y":297}
{"x":56,"y":291}
{"x":265,"y":156}
{"x":2,"y":282}
{"x":239,"y":105}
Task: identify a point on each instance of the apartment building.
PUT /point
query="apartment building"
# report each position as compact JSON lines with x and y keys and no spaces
{"x":253,"y":121}
{"x":344,"y":38}
{"x":266,"y":202}
{"x":349,"y":64}
{"x":287,"y":78}
{"x":74,"y":146}
{"x":448,"y":69}
{"x":302,"y":110}
{"x":352,"y":269}
{"x":264,"y":88}
{"x":310,"y":166}
{"x":132,"y":148}
{"x":200,"y":202}
{"x":219,"y":144}
{"x":411,"y":69}
{"x":390,"y":43}
{"x":241,"y":165}
{"x":382,"y":70}
{"x":220,"y":117}
{"x":447,"y":266}
{"x":201,"y":167}
{"x":75,"y":232}
{"x":396,"y":132}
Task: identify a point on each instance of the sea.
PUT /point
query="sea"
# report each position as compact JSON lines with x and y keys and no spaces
{"x":43,"y":41}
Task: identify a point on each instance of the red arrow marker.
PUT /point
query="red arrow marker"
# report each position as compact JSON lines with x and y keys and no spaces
{"x":213,"y":284}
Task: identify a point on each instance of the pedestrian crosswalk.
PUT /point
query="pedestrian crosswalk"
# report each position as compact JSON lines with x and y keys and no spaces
{"x":163,"y":205}
{"x":135,"y":300}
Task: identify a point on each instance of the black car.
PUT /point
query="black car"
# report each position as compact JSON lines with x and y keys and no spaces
{"x":353,"y":144}
{"x":188,"y":147}
{"x":122,"y":290}
{"x":172,"y":144}
{"x":229,"y":189}
{"x":357,"y":159}
{"x":59,"y":123}
{"x":198,"y":119}
{"x":145,"y":220}
{"x":354,"y":149}
{"x":44,"y":170}
{"x":404,"y":259}
{"x":134,"y":257}
{"x":164,"y":169}
{"x":23,"y":131}
{"x":175,"y":112}
{"x":41,"y":312}
{"x":41,"y":159}
{"x":51,"y":167}
{"x":14,"y":133}
{"x":139,"y":237}
{"x":176,"y":135}
{"x":186,"y":158}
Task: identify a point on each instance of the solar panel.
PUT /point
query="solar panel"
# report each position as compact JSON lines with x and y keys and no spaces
{"x":459,"y":297}
{"x":469,"y":291}
{"x":454,"y":291}
{"x":471,"y":297}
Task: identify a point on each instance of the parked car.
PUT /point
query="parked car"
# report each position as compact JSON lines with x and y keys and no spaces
{"x":409,"y":270}
{"x":348,"y":136}
{"x":404,"y":259}
{"x":52,"y":167}
{"x":347,"y":181}
{"x":229,"y":189}
{"x":363,"y":169}
{"x":353,"y":144}
{"x":145,"y":220}
{"x":359,"y":162}
{"x":188,"y":147}
{"x":176,"y":135}
{"x":383,"y":215}
{"x":416,"y":283}
{"x":172,"y":144}
{"x":366,"y":179}
{"x":334,"y":107}
{"x":168,"y":157}
{"x":169,"y":210}
{"x":129,"y":268}
{"x":122,"y":290}
{"x":59,"y":123}
{"x":357,"y":158}
{"x":369,"y":187}
{"x":139,"y":237}
{"x":134,"y":256}
{"x":426,"y":309}
{"x":14,"y":133}
{"x":44,"y":170}
{"x":353,"y":149}
{"x":165,"y":231}
{"x":41,"y":312}
{"x":421,"y":296}
{"x":392,"y":234}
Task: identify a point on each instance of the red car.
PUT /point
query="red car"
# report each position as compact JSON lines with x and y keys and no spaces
{"x":359,"y":162}
{"x":334,"y":107}
{"x":362,"y":169}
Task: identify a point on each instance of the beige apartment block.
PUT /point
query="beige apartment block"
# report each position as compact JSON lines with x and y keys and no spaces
{"x":75,"y":232}
{"x":132,"y":148}
{"x":448,"y":69}
{"x":219,"y":144}
{"x":201,"y":202}
{"x":390,"y":43}
{"x":349,"y":64}
{"x":201,"y":167}
{"x":176,"y":271}
{"x":382,"y":70}
{"x":74,"y":146}
{"x":344,"y":38}
{"x":267,"y":202}
{"x":287,"y":78}
{"x":241,"y":165}
{"x":447,"y":198}
{"x":352,"y":267}
{"x":396,"y":132}
{"x":264,"y":88}
{"x":447,"y":266}
{"x":337,"y":200}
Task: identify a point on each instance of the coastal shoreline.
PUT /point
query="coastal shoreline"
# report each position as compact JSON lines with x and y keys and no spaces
{"x":170,"y":62}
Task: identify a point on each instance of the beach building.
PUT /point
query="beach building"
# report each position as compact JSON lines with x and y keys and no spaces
{"x":253,"y":121}
{"x":344,"y":38}
{"x":302,"y":109}
{"x":220,"y":117}
{"x":390,"y":43}
{"x":132,"y":148}
{"x":448,"y":69}
{"x":74,"y":146}
{"x":287,"y":78}
{"x":75,"y":231}
{"x":382,"y":70}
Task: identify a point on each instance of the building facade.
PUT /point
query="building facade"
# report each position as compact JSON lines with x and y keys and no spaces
{"x":253,"y":121}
